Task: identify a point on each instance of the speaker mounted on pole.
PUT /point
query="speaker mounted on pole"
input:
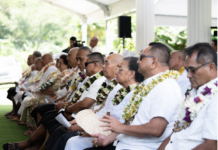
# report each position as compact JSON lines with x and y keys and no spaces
{"x":124,"y":28}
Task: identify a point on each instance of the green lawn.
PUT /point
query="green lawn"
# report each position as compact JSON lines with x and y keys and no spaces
{"x":10,"y":131}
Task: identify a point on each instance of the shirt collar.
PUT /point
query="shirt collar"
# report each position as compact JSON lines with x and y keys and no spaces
{"x":94,"y":75}
{"x":146,"y":81}
{"x":108,"y":82}
{"x":203,"y":86}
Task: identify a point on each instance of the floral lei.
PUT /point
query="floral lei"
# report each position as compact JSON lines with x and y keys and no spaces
{"x":27,"y":72}
{"x":191,"y":106}
{"x":181,"y":70}
{"x":69,"y":77}
{"x":56,"y":75}
{"x":86,"y":86}
{"x":142,"y":91}
{"x":105,"y":90}
{"x":80,"y":78}
{"x":72,"y":88}
{"x":40,"y":73}
{"x":122,"y":93}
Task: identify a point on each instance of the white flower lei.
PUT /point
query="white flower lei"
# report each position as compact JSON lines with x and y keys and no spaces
{"x":105,"y":90}
{"x":142,"y":91}
{"x":27,"y":72}
{"x":190,"y":107}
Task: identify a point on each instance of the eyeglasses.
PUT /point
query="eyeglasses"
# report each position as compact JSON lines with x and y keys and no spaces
{"x":87,"y":63}
{"x":141,"y":56}
{"x":194,"y":69}
{"x":120,"y":69}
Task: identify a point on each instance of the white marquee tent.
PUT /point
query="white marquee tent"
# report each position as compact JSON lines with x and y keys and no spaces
{"x":197,"y":15}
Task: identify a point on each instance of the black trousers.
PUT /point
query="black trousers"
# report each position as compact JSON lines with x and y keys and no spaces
{"x":49,"y":121}
{"x":11,"y":92}
{"x":59,"y":138}
{"x":109,"y":147}
{"x":42,"y":109}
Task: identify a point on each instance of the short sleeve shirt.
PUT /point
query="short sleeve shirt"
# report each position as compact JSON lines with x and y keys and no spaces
{"x":162,"y":101}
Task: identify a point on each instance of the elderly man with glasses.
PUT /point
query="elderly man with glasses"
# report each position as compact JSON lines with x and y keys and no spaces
{"x":196,"y":127}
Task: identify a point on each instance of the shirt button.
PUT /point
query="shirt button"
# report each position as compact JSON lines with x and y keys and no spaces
{"x":171,"y":141}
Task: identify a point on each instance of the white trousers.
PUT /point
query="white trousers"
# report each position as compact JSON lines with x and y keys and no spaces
{"x":79,"y":143}
{"x":20,"y":111}
{"x":18,"y":97}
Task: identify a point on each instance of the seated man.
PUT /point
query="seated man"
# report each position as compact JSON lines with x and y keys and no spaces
{"x":86,"y":95}
{"x":42,"y":76}
{"x":13,"y":91}
{"x":177,"y":60}
{"x":24,"y":86}
{"x":109,"y":70}
{"x":50,"y":86}
{"x":128,"y":76}
{"x":152,"y":110}
{"x":78,"y":81}
{"x":197,"y":130}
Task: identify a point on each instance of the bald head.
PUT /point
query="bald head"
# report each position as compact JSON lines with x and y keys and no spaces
{"x":177,"y":60}
{"x":71,"y":57}
{"x":47,"y":58}
{"x":93,"y":41}
{"x":116,"y":58}
{"x":110,"y":66}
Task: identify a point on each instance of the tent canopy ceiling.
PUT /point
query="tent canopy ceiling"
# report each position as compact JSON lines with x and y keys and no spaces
{"x":166,"y":11}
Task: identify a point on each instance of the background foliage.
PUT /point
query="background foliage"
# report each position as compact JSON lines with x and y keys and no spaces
{"x":28,"y":25}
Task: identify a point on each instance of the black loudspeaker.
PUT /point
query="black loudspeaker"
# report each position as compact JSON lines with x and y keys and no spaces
{"x":124,"y":27}
{"x":215,"y":33}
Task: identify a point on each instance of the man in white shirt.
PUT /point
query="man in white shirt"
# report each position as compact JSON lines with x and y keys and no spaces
{"x":152,"y":120}
{"x":40,"y":110}
{"x":177,"y":60}
{"x":201,"y":131}
{"x":109,"y":69}
{"x":13,"y":91}
{"x":93,"y":43}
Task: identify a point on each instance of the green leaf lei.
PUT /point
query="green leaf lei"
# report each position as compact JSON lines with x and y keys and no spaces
{"x":118,"y":98}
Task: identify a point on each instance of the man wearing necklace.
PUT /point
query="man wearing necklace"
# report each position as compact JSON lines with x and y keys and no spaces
{"x":196,"y":127}
{"x":13,"y":90}
{"x":151,"y":112}
{"x":128,"y":76}
{"x":29,"y":102}
{"x":87,"y":98}
{"x":109,"y":70}
{"x":40,"y":110}
{"x":177,"y":61}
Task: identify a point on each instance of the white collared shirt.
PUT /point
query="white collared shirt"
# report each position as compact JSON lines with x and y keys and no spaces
{"x":107,"y":106}
{"x":162,"y":101}
{"x":45,"y":77}
{"x":96,"y":49}
{"x":184,"y":82}
{"x":204,"y":126}
{"x":92,"y":91}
